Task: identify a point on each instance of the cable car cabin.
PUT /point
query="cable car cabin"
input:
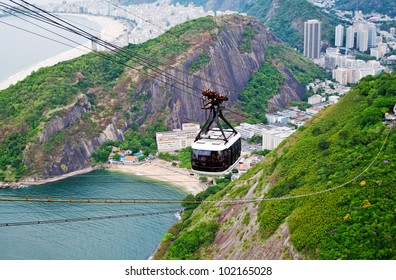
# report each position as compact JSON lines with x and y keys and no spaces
{"x":217,"y":149}
{"x":211,"y":153}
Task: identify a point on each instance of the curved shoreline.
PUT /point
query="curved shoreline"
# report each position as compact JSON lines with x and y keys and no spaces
{"x":111,"y":31}
{"x":156,"y":170}
{"x":163,"y":171}
{"x":36,"y":182}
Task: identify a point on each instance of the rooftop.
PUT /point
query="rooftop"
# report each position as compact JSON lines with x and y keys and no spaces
{"x":214,"y":140}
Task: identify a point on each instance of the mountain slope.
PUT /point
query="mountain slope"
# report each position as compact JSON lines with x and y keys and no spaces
{"x":52,"y":122}
{"x":386,"y":7}
{"x":335,"y":176}
{"x":284,"y":17}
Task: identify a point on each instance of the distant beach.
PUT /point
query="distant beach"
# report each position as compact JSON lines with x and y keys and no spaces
{"x":157,"y":169}
{"x":111,"y":30}
{"x":163,"y":171}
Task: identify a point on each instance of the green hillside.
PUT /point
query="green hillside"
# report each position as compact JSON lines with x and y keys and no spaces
{"x":386,"y":7}
{"x":104,"y":89}
{"x":342,"y":164}
{"x":28,"y":106}
{"x":266,"y":82}
{"x":286,"y":19}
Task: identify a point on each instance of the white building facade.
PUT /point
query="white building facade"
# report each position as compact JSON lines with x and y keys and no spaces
{"x":350,"y":38}
{"x":273,"y":137}
{"x":339,"y":36}
{"x":312,"y":38}
{"x":177,"y":139}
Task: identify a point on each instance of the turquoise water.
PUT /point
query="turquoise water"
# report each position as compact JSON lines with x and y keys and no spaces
{"x":133,"y":238}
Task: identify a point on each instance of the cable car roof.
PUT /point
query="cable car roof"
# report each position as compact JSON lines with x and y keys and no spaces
{"x":214,"y":141}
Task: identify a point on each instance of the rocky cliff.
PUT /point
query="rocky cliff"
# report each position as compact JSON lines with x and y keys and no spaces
{"x":228,"y":71}
{"x":106,"y":97}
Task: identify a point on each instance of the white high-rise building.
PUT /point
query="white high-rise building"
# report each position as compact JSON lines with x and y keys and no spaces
{"x":339,"y":36}
{"x":312,"y":38}
{"x":372,"y":35}
{"x":362,"y":38}
{"x":392,"y":31}
{"x":350,"y":38}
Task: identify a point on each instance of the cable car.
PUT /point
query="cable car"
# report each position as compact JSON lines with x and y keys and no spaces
{"x":215,"y":149}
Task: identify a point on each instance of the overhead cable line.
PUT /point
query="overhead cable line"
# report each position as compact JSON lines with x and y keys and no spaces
{"x":103,"y":55}
{"x":60,"y":23}
{"x":213,"y":54}
{"x":111,"y":47}
{"x":51,"y":199}
{"x":73,"y":220}
{"x":118,"y":50}
{"x":101,"y":209}
{"x":169,"y":31}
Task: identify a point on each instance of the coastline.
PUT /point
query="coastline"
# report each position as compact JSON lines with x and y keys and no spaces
{"x":163,"y":171}
{"x":111,"y":30}
{"x":156,"y":170}
{"x":35,"y":182}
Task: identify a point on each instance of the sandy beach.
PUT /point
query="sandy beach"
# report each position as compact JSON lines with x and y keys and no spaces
{"x":157,"y":169}
{"x":163,"y":171}
{"x":111,"y":30}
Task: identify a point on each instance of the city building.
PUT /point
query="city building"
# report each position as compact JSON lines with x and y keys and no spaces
{"x":392,"y":31}
{"x":275,"y":135}
{"x":334,"y":99}
{"x":391,"y":60}
{"x":379,"y":51}
{"x":362,"y":37}
{"x":249,"y":130}
{"x":245,"y":130}
{"x":315,"y":99}
{"x":177,"y":139}
{"x":339,"y":35}
{"x":312,"y":38}
{"x":350,"y":38}
{"x":341,"y":75}
{"x":372,"y":35}
{"x":277,"y":118}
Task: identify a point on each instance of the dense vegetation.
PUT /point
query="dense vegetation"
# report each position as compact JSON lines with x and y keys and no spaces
{"x":104,"y":79}
{"x":264,"y":85}
{"x":185,"y":239}
{"x":267,"y":81}
{"x":181,"y":158}
{"x":303,"y":69}
{"x":133,"y":140}
{"x":26,"y":105}
{"x":287,"y":20}
{"x":385,"y":7}
{"x":347,"y":153}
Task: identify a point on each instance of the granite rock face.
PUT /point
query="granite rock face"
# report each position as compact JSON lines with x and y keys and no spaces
{"x":173,"y":95}
{"x":228,"y":71}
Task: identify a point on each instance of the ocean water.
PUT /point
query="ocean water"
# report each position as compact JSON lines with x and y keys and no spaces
{"x":132,"y":238}
{"x":25,"y":42}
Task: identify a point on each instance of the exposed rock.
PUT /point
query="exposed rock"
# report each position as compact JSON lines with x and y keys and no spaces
{"x":290,"y":90}
{"x":173,"y":96}
{"x":76,"y":152}
{"x":228,"y":71}
{"x":236,"y":240}
{"x":59,"y":123}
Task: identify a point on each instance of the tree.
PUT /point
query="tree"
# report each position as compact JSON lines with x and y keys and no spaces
{"x":323,"y":144}
{"x":117,"y":157}
{"x":203,"y":179}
